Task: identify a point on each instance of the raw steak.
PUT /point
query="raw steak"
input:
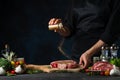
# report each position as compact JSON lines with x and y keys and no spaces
{"x":64,"y":64}
{"x":102,"y":66}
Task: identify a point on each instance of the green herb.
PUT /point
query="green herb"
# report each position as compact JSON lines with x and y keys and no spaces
{"x":9,"y":74}
{"x":115,"y":61}
{"x":33,"y":71}
{"x":5,"y":64}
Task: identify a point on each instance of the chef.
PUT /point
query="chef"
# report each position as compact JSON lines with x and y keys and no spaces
{"x":92,"y":23}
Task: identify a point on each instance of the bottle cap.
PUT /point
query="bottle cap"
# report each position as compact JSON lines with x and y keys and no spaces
{"x":114,"y":46}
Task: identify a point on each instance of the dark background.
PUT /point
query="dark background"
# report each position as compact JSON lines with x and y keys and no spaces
{"x":24,"y":27}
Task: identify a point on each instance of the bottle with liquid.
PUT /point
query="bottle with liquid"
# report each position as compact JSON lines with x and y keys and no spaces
{"x":104,"y":53}
{"x":113,"y":50}
{"x":96,"y":59}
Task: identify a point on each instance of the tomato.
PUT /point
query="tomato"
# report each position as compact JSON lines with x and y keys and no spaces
{"x":17,"y":63}
{"x":107,"y":73}
{"x":12,"y":62}
{"x":21,"y":62}
{"x":12,"y":72}
{"x":102,"y":73}
{"x":86,"y":70}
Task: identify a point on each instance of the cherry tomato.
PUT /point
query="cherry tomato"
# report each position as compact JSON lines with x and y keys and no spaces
{"x":86,"y":70}
{"x":17,"y":63}
{"x":102,"y":73}
{"x":12,"y":62}
{"x":12,"y":72}
{"x":21,"y":62}
{"x":107,"y":73}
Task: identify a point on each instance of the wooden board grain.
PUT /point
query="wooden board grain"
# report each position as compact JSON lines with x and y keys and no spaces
{"x":48,"y":69}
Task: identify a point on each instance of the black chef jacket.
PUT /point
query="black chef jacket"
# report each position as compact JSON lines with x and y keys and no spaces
{"x":91,"y":20}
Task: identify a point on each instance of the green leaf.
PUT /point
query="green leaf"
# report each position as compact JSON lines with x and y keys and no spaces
{"x":5,"y":64}
{"x":33,"y":71}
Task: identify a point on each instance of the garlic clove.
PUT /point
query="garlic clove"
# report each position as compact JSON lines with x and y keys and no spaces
{"x":2,"y":71}
{"x":115,"y":71}
{"x":19,"y":69}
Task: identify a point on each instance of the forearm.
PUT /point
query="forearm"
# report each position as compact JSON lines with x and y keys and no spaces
{"x":95,"y":48}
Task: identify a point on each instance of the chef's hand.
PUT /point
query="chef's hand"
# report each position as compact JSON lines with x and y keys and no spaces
{"x":85,"y":60}
{"x":55,"y":21}
{"x":64,"y":31}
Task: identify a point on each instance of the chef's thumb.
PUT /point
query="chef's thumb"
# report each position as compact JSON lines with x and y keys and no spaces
{"x":81,"y":63}
{"x":85,"y":64}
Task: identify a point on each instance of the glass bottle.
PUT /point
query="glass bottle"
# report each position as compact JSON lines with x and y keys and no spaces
{"x":113,"y":50}
{"x":104,"y":53}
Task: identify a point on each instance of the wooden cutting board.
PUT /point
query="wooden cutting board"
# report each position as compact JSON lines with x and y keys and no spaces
{"x":48,"y":69}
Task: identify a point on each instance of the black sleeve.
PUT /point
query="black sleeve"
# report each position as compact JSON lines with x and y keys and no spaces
{"x":112,"y":30}
{"x":68,"y":22}
{"x":70,"y":19}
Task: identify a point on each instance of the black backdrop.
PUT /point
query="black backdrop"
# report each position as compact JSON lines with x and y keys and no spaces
{"x":24,"y":26}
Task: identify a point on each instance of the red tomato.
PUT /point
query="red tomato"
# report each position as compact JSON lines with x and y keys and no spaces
{"x":12,"y":72}
{"x":17,"y":63}
{"x":86,"y":70}
{"x":102,"y":73}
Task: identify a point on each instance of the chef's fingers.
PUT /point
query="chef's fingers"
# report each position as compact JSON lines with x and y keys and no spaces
{"x":58,"y":30}
{"x":51,"y":22}
{"x":80,"y":62}
{"x":54,"y":21}
{"x":57,"y":21}
{"x":85,"y":64}
{"x":55,"y":30}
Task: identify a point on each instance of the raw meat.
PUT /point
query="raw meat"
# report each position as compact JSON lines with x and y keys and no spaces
{"x":64,"y":64}
{"x":102,"y":66}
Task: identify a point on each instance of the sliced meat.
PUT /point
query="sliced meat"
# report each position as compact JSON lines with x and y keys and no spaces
{"x":64,"y":64}
{"x":102,"y":66}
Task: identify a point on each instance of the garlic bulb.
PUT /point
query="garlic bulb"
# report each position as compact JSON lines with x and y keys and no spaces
{"x":19,"y":69}
{"x":115,"y":71}
{"x":2,"y":71}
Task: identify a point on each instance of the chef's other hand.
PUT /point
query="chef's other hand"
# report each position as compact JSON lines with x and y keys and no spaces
{"x":85,"y":60}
